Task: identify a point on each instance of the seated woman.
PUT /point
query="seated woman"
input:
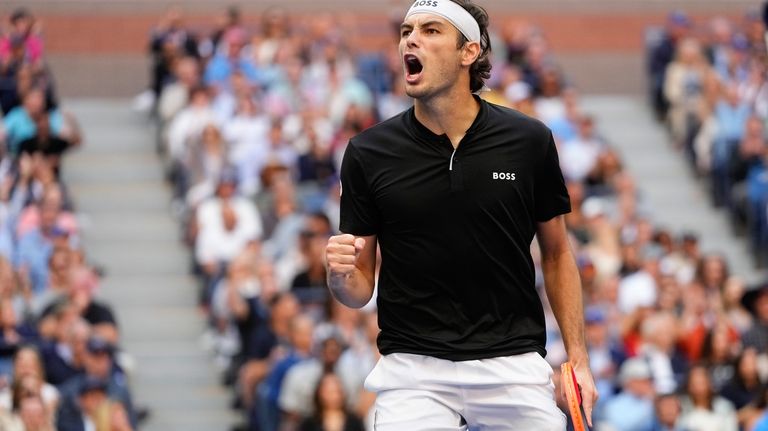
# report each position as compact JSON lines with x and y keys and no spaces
{"x":703,"y":409}
{"x":330,"y":408}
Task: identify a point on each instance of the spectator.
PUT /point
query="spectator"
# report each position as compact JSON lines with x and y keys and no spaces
{"x":666,"y":363}
{"x":756,"y":301}
{"x":667,"y":413}
{"x":226,"y":224}
{"x":175,"y":96}
{"x":25,"y":28}
{"x":20,"y":121}
{"x":261,"y":331}
{"x":189,"y":123}
{"x":731,"y":114}
{"x":685,"y":86}
{"x":702,"y":408}
{"x":268,"y":413}
{"x":678,"y":26}
{"x":64,"y":356}
{"x":632,"y":409}
{"x":27,"y":363}
{"x":604,"y":353}
{"x":330,"y":402}
{"x":247,"y":133}
{"x":50,"y":146}
{"x":29,"y":414}
{"x":231,"y":59}
{"x":169,"y":41}
{"x":745,"y":385}
{"x":13,"y":335}
{"x":36,"y":246}
{"x":203,"y":165}
{"x":100,"y":374}
{"x":579,"y":156}
{"x":737,"y":315}
{"x":310,"y":285}
{"x":718,"y":354}
{"x":756,"y":419}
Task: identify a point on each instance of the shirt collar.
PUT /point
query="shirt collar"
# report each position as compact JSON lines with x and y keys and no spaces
{"x":422,"y":132}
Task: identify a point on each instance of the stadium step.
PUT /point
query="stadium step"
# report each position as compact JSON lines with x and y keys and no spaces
{"x":677,"y":199}
{"x":117,"y":184}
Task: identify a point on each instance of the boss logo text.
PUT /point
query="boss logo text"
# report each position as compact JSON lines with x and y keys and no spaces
{"x":506,"y":176}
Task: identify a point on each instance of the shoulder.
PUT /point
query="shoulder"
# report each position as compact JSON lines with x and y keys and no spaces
{"x":15,"y":114}
{"x":508,"y":118}
{"x":372,"y":137}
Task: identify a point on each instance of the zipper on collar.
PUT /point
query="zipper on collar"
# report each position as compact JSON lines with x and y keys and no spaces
{"x":450,"y":164}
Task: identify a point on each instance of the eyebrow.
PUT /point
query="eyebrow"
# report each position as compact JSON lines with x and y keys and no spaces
{"x":433,"y":22}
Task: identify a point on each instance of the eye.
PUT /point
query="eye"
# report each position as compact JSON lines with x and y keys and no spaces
{"x":405,"y":33}
{"x":431,"y":31}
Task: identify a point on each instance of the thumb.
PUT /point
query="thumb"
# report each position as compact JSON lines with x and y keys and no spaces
{"x":359,"y":245}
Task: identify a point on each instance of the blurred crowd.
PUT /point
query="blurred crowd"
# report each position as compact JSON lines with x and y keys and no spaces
{"x":60,"y":363}
{"x":708,"y":83}
{"x":253,"y":118}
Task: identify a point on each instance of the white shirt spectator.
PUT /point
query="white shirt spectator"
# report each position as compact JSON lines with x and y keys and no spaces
{"x":636,"y":290}
{"x":189,"y":123}
{"x":578,"y":157}
{"x":249,"y":149}
{"x":217,"y":244}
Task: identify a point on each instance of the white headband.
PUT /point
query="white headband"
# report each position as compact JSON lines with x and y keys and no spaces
{"x":455,"y":14}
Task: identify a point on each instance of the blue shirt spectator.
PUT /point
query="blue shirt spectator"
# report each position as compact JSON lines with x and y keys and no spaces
{"x":20,"y":121}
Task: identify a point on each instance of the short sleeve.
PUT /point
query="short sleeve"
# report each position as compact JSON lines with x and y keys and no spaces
{"x":359,"y":215}
{"x":550,"y":193}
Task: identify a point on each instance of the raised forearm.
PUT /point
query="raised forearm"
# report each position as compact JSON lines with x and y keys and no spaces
{"x":351,"y":264}
{"x":353,"y":289}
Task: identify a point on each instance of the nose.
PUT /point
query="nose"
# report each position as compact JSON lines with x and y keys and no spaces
{"x":412,"y":39}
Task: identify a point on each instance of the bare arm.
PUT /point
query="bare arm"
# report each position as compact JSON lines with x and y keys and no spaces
{"x":351,"y":266}
{"x":563,"y":286}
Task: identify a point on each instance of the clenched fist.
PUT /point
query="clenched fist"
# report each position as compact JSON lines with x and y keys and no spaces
{"x":341,"y":254}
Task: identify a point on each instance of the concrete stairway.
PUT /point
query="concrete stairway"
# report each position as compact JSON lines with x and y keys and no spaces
{"x":117,"y":184}
{"x":677,"y":199}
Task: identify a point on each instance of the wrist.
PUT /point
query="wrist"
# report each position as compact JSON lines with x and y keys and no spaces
{"x":578,"y":359}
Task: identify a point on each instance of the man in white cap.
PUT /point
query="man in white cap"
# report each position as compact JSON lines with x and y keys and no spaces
{"x":632,"y":409}
{"x":453,"y":191}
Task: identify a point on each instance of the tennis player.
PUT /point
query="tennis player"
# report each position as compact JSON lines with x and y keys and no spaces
{"x":453,"y":191}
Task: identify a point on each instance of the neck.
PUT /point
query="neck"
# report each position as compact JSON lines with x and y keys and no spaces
{"x":449,"y":114}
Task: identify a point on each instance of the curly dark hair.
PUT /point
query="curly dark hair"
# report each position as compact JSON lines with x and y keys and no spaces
{"x":481,"y":68}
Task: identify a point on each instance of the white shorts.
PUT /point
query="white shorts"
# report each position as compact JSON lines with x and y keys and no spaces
{"x":422,"y":393}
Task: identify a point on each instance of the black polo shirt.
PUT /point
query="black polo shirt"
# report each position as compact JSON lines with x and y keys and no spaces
{"x":456,"y":279}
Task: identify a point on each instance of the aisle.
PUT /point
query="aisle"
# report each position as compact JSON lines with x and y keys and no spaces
{"x":116,"y":181}
{"x":678,"y":201}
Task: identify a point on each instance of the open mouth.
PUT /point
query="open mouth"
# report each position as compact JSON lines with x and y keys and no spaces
{"x":413,"y":66}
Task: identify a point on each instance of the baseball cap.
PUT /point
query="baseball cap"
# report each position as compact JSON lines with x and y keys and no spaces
{"x":93,"y":383}
{"x":634,"y":369}
{"x":594,"y":314}
{"x":99,"y":345}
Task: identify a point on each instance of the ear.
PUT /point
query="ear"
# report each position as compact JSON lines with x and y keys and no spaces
{"x":470,"y":53}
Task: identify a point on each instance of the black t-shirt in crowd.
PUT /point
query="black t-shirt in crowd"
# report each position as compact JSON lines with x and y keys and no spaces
{"x":457,"y":278}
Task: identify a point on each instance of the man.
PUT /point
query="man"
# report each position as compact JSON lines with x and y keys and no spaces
{"x":99,"y":365}
{"x":632,"y":409}
{"x":453,"y":190}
